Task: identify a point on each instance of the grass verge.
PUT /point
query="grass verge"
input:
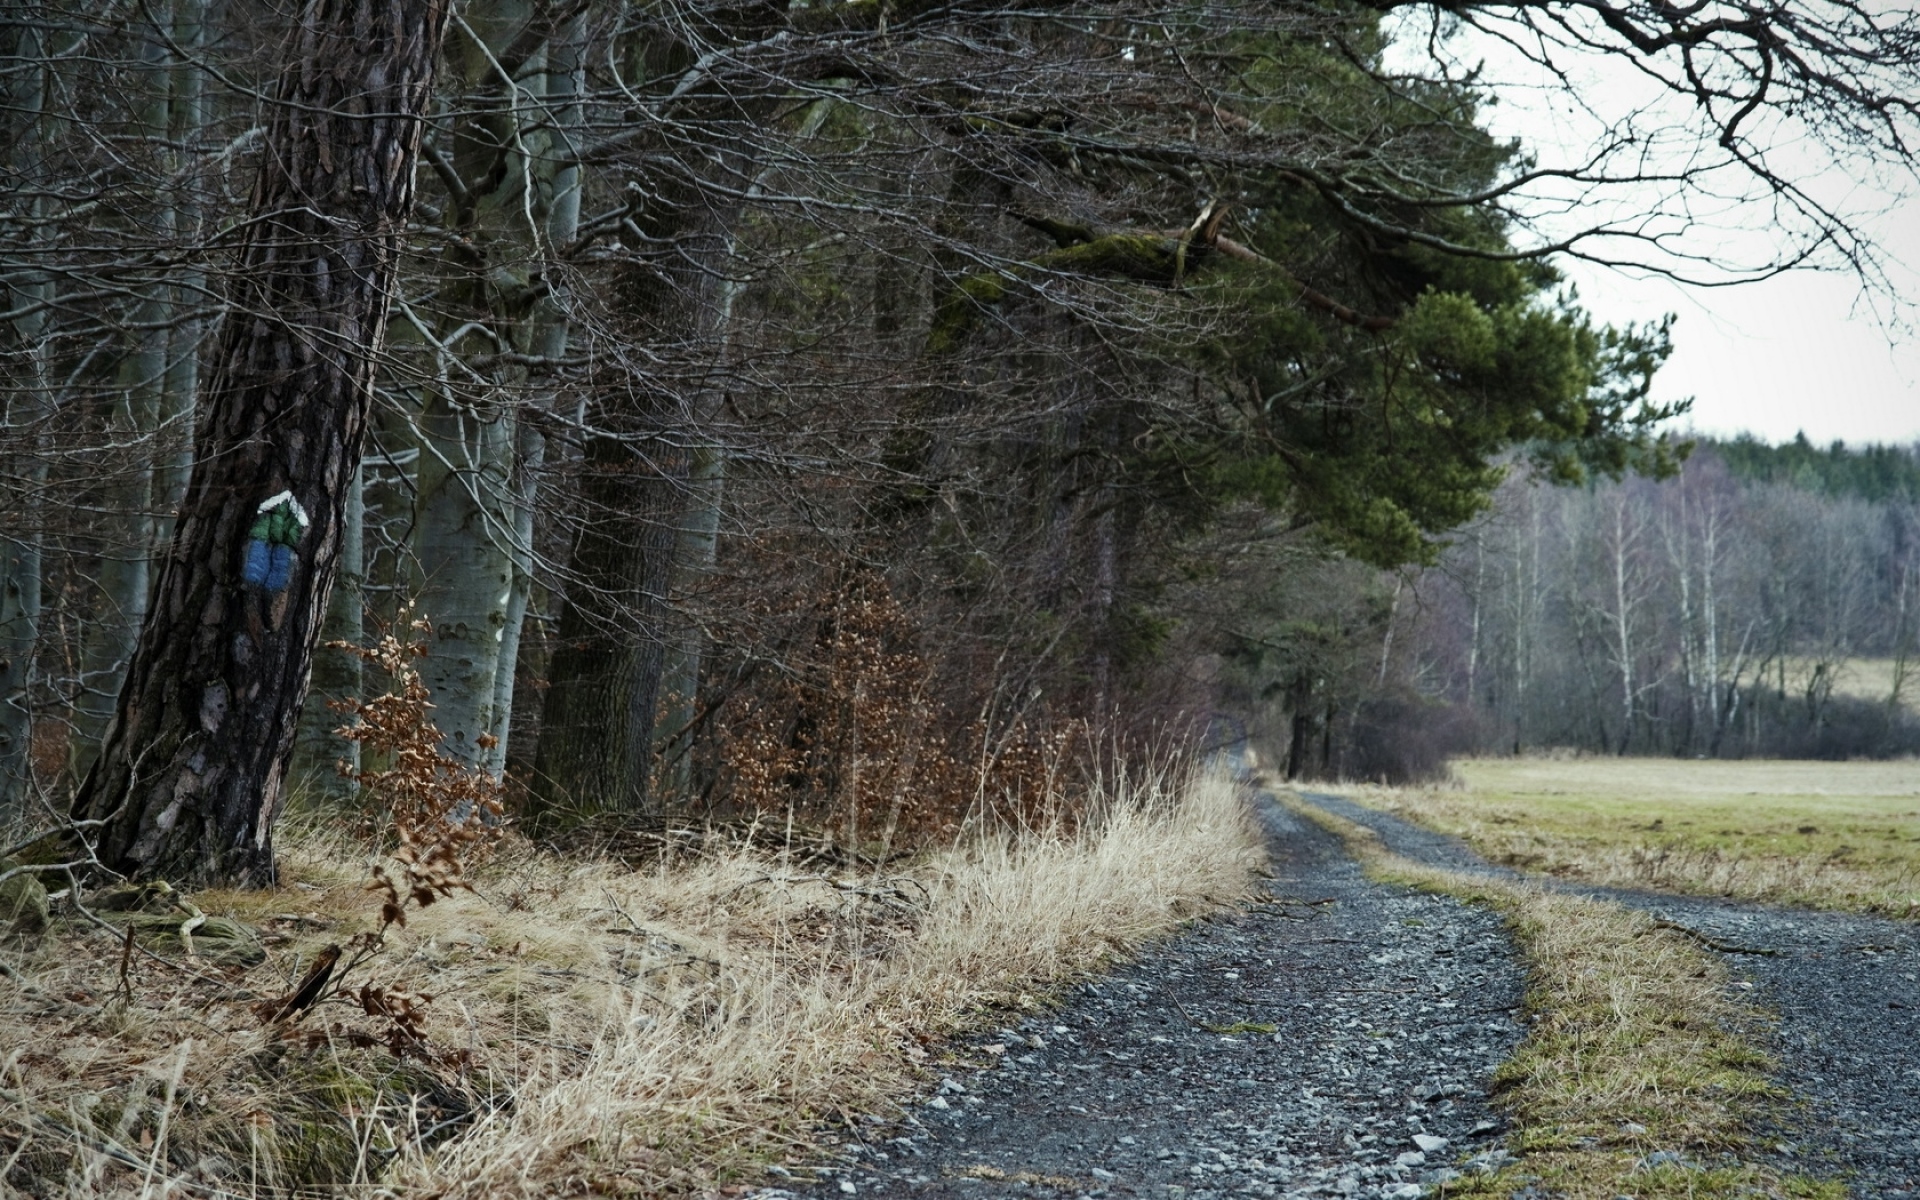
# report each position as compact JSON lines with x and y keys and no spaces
{"x":1638,"y":1075}
{"x":1840,"y":836}
{"x":669,"y":1031}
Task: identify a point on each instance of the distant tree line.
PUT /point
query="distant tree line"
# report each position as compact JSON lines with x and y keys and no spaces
{"x":1764,"y":601}
{"x":1871,"y":472}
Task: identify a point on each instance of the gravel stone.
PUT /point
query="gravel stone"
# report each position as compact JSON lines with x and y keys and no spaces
{"x":1390,"y":1008}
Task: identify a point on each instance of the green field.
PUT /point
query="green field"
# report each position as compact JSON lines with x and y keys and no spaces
{"x":1865,"y":679}
{"x":1825,"y":835}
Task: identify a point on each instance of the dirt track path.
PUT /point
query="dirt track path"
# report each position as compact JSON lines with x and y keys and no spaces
{"x":1390,"y":1008}
{"x":1845,"y":992}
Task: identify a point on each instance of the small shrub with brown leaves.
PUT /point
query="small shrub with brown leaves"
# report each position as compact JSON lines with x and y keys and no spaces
{"x":433,"y":813}
{"x":857,"y":736}
{"x":438,"y":810}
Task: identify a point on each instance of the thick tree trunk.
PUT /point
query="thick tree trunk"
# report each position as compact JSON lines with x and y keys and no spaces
{"x":610,"y":659}
{"x":189,"y":781}
{"x":596,"y":731}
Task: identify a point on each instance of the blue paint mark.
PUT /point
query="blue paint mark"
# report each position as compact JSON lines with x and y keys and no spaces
{"x":279,"y":568}
{"x":259,"y":563}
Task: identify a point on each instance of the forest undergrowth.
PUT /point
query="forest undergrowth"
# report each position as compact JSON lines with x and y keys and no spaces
{"x":581,"y":1026}
{"x":465,"y":1014}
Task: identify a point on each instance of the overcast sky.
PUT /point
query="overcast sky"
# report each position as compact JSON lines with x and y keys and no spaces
{"x":1804,"y":352}
{"x":1799,"y":353}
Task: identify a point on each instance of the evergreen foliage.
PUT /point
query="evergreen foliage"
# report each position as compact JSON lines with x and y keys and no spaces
{"x":1872,"y":472}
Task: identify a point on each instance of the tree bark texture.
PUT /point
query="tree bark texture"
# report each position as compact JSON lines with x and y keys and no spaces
{"x":597,"y":727}
{"x":596,"y":731}
{"x":189,"y":779}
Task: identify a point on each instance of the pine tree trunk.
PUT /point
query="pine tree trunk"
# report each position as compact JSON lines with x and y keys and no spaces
{"x":190,"y":779}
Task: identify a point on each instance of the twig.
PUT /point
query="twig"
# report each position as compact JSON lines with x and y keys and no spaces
{"x":1183,"y":1009}
{"x":125,"y":986}
{"x":1713,"y":943}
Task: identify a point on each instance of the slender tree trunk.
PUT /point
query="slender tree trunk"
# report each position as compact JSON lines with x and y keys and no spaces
{"x":697,"y":536}
{"x":190,"y":780}
{"x":1624,"y":603}
{"x":1710,"y":613}
{"x":532,"y":460}
{"x":28,"y":407}
{"x":125,"y":574}
{"x":336,"y":674}
{"x":1473,"y":629}
{"x":552,"y":330}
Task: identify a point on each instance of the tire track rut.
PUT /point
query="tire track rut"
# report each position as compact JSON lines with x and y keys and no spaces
{"x":1335,"y":1039}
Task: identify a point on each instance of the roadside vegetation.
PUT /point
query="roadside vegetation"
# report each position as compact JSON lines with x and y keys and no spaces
{"x":683,"y":1018}
{"x":1639,"y":1074}
{"x":1821,"y":835}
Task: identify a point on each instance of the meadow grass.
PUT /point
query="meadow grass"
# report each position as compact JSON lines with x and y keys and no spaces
{"x":1816,"y":834}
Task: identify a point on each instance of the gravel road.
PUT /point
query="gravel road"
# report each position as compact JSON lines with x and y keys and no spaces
{"x":1388,"y":1009}
{"x":1843,"y":988}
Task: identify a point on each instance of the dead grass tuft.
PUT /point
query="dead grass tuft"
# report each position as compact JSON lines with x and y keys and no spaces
{"x":653,"y":1032}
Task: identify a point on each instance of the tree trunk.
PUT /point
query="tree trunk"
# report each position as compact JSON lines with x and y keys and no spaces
{"x":463,"y":520}
{"x":29,"y":406}
{"x":552,"y":331}
{"x":514,"y":151}
{"x":139,"y":400}
{"x":190,"y":779}
{"x":336,"y":674}
{"x":596,"y":731}
{"x":610,"y":652}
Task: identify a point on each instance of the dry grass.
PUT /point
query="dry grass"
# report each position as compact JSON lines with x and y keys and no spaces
{"x":669,"y":1031}
{"x":1635,"y":1047}
{"x":1825,"y":835}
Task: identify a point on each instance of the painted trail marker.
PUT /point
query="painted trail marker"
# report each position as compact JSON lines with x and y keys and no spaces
{"x":277,"y":528}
